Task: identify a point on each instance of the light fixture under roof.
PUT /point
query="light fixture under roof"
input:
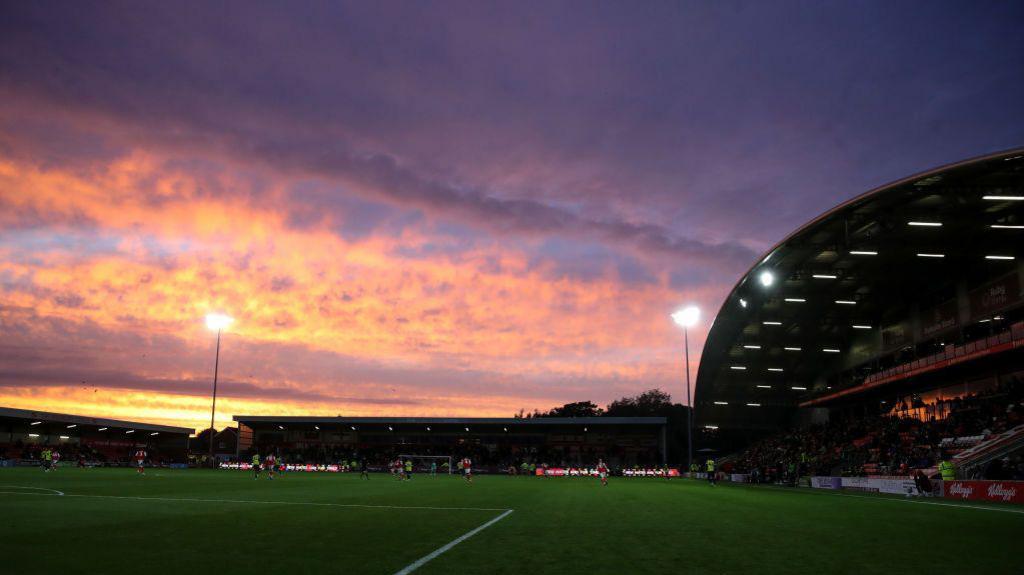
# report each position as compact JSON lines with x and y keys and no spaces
{"x":721,"y":403}
{"x":764,"y":386}
{"x":824,"y":276}
{"x":753,"y":405}
{"x":795,"y":299}
{"x":766,"y":278}
{"x":316,"y":427}
{"x":772,"y":322}
{"x":743,"y":302}
{"x":774,"y":369}
{"x":72,"y":426}
{"x":102,"y":429}
{"x":798,"y":388}
{"x":64,"y":437}
{"x":924,"y":255}
{"x":998,"y":257}
{"x":846,"y":302}
{"x":710,"y":427}
{"x":921,"y":224}
{"x":129,"y":431}
{"x":1006,"y":227}
{"x":863,"y":253}
{"x":154,"y":433}
{"x":737,"y":367}
{"x":793,"y":348}
{"x":1003,"y":198}
{"x":751,"y":347}
{"x":281,"y":427}
{"x":35,"y":423}
{"x":861,"y":326}
{"x":829,"y":350}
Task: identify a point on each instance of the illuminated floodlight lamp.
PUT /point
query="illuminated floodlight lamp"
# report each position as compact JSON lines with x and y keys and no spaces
{"x":33,"y":435}
{"x":154,"y":433}
{"x":686,"y":317}
{"x":1006,"y":227}
{"x":1003,"y":198}
{"x":281,"y":427}
{"x":428,"y":428}
{"x":766,"y":278}
{"x":793,"y":348}
{"x":772,"y":322}
{"x":798,"y":388}
{"x":316,"y":427}
{"x":35,"y":423}
{"x":824,"y":276}
{"x":505,"y":429}
{"x":931,"y":255}
{"x":721,"y":403}
{"x":753,"y":405}
{"x":737,"y":367}
{"x":129,"y":431}
{"x":751,"y":347}
{"x":64,"y":437}
{"x":764,"y":386}
{"x":795,"y":299}
{"x":995,"y":257}
{"x":846,"y":302}
{"x":863,"y":253}
{"x":102,"y":429}
{"x":354,"y":427}
{"x":218,"y":321}
{"x":710,"y":427}
{"x":467,"y":429}
{"x":743,"y":303}
{"x":72,"y":426}
{"x":829,"y":350}
{"x":920,"y":224}
{"x":861,"y":326}
{"x":775,"y":369}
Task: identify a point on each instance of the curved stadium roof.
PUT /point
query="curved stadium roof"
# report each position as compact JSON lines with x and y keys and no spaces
{"x":852,"y":289}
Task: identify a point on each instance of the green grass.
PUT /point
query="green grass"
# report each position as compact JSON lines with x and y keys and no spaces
{"x":559,"y":526}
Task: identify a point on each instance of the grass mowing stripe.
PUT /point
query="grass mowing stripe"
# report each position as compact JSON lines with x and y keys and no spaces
{"x":427,"y":558}
{"x":189,"y":499}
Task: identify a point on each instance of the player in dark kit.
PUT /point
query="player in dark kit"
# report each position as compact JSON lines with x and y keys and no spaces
{"x":364,"y":473}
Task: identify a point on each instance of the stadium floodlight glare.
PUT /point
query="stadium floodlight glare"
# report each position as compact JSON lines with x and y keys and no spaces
{"x":218,"y":321}
{"x":830,"y":350}
{"x":775,"y":369}
{"x":737,"y":367}
{"x":925,"y":224}
{"x":764,"y":386}
{"x":743,"y":302}
{"x":795,"y":299}
{"x":154,"y":433}
{"x":686,"y":317}
{"x":64,"y":437}
{"x":281,"y":427}
{"x":428,"y":428}
{"x":72,"y":426}
{"x":931,"y":255}
{"x":863,"y":253}
{"x":389,"y":428}
{"x":753,"y":405}
{"x":505,"y":429}
{"x":751,"y":347}
{"x":999,"y":257}
{"x":772,"y":322}
{"x":1003,"y":198}
{"x":824,"y":276}
{"x":846,"y":302}
{"x":129,"y":431}
{"x":35,"y":423}
{"x":861,"y":326}
{"x":353,"y":428}
{"x":798,"y":388}
{"x":1006,"y":227}
{"x":316,"y":427}
{"x":467,"y":429}
{"x":986,"y":320}
{"x":710,"y":427}
{"x":102,"y":429}
{"x":793,"y":348}
{"x":33,"y":435}
{"x":766,"y":278}
{"x":721,"y":403}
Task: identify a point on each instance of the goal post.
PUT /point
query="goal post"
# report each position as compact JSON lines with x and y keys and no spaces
{"x":444,"y":462}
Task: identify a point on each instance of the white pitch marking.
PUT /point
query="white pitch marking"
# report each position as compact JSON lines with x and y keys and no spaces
{"x":52,"y":491}
{"x":261,"y":502}
{"x":433,"y":554}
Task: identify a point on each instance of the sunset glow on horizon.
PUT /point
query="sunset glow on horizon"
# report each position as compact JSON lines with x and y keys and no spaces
{"x":415,"y":212}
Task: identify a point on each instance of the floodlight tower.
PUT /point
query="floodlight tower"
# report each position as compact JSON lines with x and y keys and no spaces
{"x":219,"y":322}
{"x":686,"y":318}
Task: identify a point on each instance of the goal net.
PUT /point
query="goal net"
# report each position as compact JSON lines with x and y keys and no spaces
{"x":426,"y":463}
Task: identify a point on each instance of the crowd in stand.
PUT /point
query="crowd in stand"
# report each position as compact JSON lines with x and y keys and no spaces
{"x":891,"y":443}
{"x":73,"y":453}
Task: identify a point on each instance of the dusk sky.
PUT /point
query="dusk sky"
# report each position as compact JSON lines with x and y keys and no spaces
{"x":439,"y":208}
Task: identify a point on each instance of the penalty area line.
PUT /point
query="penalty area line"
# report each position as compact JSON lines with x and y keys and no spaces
{"x":51,"y":491}
{"x":433,"y":554}
{"x":256,"y":502}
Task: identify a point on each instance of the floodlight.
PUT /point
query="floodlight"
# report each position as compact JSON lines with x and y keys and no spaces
{"x":218,"y":321}
{"x":766,"y":278}
{"x":687,"y":316}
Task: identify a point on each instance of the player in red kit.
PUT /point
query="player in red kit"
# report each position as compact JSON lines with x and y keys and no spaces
{"x":140,"y":460}
{"x":270,"y":463}
{"x":602,"y":472}
{"x":467,"y":469}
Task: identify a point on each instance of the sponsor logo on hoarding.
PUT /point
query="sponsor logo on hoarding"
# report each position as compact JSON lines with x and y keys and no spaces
{"x":960,"y":490}
{"x":1004,"y":493}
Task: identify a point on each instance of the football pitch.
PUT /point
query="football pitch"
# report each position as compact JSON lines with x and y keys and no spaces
{"x":201,"y":521}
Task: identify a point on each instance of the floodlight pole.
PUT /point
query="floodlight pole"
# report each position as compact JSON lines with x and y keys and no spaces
{"x":689,"y":403}
{"x":213,"y":408}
